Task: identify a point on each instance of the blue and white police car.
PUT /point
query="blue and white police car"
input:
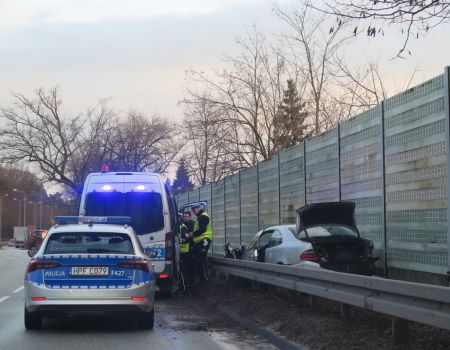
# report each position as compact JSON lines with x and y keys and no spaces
{"x":89,"y":265}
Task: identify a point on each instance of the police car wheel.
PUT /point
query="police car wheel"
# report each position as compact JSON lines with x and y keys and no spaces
{"x":32,"y":320}
{"x":147,"y":320}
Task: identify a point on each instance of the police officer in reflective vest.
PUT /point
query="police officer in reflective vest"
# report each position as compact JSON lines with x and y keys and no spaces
{"x":186,"y":257}
{"x":202,"y":236}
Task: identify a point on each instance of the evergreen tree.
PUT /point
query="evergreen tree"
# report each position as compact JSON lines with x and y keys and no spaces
{"x":290,"y":123}
{"x":182,"y":181}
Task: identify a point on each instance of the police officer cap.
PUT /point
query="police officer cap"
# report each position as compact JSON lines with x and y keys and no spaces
{"x":196,"y":206}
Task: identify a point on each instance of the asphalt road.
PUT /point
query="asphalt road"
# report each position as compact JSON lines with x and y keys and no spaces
{"x":176,"y":326}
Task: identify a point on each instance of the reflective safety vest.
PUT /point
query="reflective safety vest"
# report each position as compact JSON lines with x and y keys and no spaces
{"x":184,"y":242}
{"x":207,"y":234}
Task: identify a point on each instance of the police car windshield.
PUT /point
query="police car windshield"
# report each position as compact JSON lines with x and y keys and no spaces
{"x":89,"y":243}
{"x":144,"y":208}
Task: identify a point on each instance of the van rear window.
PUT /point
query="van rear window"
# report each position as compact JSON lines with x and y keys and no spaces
{"x":145,"y":208}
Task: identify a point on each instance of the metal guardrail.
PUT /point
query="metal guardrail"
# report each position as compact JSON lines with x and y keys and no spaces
{"x":422,"y":303}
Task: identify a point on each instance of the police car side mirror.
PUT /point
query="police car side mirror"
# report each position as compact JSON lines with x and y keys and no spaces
{"x":32,"y":252}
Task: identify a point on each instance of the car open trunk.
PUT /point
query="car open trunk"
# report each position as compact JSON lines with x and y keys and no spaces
{"x":344,"y":254}
{"x":331,"y":229}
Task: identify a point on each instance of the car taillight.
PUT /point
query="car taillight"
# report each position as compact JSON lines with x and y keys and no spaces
{"x":41,"y":264}
{"x":163,"y":275}
{"x":309,"y":255}
{"x":169,"y":246}
{"x":135,"y":265}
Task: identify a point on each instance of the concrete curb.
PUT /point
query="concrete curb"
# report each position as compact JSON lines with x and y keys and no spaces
{"x":273,"y":338}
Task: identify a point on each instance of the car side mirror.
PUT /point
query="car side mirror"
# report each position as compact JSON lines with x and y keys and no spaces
{"x":32,"y":252}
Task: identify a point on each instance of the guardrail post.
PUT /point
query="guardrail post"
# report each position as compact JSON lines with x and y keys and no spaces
{"x":345,"y":312}
{"x":400,"y":333}
{"x":312,"y":301}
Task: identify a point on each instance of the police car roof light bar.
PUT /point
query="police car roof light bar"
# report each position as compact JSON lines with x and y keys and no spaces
{"x":114,"y":220}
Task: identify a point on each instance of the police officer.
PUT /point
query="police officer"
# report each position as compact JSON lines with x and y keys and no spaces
{"x":187,"y":220}
{"x":202,"y":237}
{"x":186,"y":258}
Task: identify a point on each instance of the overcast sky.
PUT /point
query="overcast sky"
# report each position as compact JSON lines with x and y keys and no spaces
{"x":136,"y":52}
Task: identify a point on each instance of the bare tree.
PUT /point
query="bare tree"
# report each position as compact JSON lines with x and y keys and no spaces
{"x":248,"y":93}
{"x":413,"y":16}
{"x":65,"y":149}
{"x":313,"y":52}
{"x":36,"y":132}
{"x":144,"y":144}
{"x":207,"y":155}
{"x":363,"y":86}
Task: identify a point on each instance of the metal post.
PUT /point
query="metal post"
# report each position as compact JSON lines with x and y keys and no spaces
{"x":447,"y":147}
{"x":279,"y":190}
{"x":304,"y":172}
{"x":224,"y":212}
{"x":338,"y":160}
{"x":24,"y":210}
{"x":257,"y":196}
{"x":211,"y":206}
{"x":19,"y":212}
{"x":40,"y":212}
{"x":1,"y":222}
{"x":400,"y":334}
{"x":383,"y":192}
{"x":240,"y":210}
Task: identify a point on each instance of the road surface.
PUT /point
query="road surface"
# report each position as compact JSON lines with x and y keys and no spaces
{"x":177,"y":326}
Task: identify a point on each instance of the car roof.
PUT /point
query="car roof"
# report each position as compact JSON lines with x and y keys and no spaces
{"x":279,"y":227}
{"x":92,"y":228}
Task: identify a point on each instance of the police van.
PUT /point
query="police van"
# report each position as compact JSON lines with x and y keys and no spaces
{"x":146,"y":199}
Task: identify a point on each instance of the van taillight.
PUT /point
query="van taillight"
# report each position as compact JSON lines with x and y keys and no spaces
{"x":169,"y":246}
{"x":41,"y":264}
{"x":135,"y":265}
{"x":309,"y":255}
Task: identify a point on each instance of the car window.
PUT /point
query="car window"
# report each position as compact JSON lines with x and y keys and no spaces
{"x":264,"y":240}
{"x":254,"y":242}
{"x":324,"y":231}
{"x":275,"y":239}
{"x":89,"y":243}
{"x":145,"y":208}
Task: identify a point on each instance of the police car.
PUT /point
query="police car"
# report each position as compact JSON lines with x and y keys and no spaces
{"x":89,"y":264}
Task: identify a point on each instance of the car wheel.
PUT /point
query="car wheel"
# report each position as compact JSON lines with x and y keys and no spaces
{"x":32,"y":320}
{"x":147,"y":320}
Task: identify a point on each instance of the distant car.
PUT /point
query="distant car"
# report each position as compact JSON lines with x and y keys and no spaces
{"x":97,"y":266}
{"x":35,"y":239}
{"x":325,"y":236}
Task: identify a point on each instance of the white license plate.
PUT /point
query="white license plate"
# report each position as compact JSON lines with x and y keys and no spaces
{"x":89,"y":271}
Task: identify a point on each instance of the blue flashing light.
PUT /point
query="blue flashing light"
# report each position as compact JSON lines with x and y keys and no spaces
{"x":140,"y":187}
{"x":106,"y":187}
{"x":114,"y":220}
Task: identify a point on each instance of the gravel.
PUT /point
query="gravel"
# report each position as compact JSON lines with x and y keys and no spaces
{"x":315,"y":327}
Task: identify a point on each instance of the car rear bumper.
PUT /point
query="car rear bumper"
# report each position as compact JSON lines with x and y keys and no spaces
{"x":89,"y":299}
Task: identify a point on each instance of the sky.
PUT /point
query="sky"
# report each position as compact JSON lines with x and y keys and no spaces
{"x":136,"y":52}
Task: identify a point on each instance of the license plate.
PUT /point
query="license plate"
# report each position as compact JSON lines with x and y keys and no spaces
{"x":89,"y":271}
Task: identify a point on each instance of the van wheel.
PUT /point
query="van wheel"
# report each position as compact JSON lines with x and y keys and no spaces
{"x":32,"y":320}
{"x":147,"y":320}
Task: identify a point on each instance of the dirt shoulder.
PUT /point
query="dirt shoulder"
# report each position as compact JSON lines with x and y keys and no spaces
{"x":317,"y":327}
